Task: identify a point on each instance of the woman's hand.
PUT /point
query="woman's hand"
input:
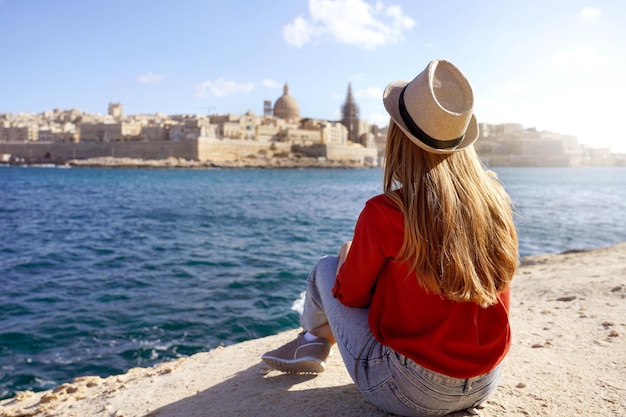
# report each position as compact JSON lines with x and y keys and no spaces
{"x":343,"y":253}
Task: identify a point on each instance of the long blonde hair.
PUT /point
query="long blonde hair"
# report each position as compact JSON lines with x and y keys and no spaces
{"x":459,"y":235}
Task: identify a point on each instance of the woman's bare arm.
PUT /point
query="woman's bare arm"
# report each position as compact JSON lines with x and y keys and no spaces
{"x":343,"y":252}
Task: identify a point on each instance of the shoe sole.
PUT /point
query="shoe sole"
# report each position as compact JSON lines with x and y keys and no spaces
{"x":297,"y":366}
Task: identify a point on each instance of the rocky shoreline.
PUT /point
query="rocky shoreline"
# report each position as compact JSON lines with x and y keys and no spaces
{"x":270,"y":163}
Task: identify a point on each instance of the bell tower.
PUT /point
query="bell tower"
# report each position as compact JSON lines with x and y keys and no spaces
{"x":350,"y":116}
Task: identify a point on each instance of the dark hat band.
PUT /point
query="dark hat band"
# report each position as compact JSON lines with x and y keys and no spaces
{"x":419,"y":133}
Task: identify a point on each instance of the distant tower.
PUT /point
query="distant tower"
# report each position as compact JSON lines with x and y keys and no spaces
{"x":350,"y":116}
{"x":267,"y":108}
{"x":116,"y":111}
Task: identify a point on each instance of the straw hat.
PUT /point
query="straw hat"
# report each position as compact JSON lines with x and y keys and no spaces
{"x":434,"y":110}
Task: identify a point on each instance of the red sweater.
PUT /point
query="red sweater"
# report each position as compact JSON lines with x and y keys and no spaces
{"x":458,"y":339}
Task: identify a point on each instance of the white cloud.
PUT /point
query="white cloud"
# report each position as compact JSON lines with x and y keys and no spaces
{"x":267,"y":83}
{"x":149,"y":78}
{"x":350,"y":22}
{"x":222,"y":88}
{"x":299,"y":32}
{"x":590,"y":13}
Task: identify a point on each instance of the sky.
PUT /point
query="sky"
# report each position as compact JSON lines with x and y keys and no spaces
{"x":557,"y":65}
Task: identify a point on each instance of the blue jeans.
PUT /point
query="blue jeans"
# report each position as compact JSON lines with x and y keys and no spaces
{"x":389,"y":380}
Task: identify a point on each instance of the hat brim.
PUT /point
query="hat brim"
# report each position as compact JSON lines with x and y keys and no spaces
{"x":391,"y":97}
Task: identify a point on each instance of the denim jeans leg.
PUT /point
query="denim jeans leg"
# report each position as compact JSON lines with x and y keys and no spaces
{"x":360,"y":350}
{"x":313,"y":314}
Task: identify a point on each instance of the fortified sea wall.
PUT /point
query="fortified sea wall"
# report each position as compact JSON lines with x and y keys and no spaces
{"x":42,"y":152}
{"x":202,"y":150}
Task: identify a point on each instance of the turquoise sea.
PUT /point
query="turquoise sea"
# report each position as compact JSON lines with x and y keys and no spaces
{"x":102,"y":270}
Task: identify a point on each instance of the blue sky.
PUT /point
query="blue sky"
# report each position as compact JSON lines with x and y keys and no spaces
{"x":557,"y":65}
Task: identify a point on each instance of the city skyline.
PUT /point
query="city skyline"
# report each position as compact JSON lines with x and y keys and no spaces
{"x":556,"y":66}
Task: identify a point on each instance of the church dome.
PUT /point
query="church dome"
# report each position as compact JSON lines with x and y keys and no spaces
{"x":286,"y":107}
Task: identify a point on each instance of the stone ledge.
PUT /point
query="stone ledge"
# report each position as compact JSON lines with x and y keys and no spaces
{"x":569,"y":346}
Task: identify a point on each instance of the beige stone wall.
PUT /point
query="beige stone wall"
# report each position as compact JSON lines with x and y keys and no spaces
{"x":108,"y":132}
{"x":154,"y":133}
{"x":304,"y":136}
{"x":335,"y":133}
{"x":100,"y":132}
{"x":204,"y":150}
{"x":221,"y":150}
{"x":266,"y":132}
{"x":367,"y":156}
{"x":60,"y":152}
{"x":338,"y":152}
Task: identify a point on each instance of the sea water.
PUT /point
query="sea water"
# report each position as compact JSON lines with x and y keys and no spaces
{"x":102,"y":270}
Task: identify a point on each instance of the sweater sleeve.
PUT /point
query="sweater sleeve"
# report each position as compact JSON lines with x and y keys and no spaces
{"x":358,"y":275}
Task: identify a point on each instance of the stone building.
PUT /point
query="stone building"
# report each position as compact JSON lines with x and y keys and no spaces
{"x":329,"y":132}
{"x":58,"y":132}
{"x":510,"y":144}
{"x":156,"y":133}
{"x":286,"y":107}
{"x":190,"y":128}
{"x":18,"y":132}
{"x":236,"y":126}
{"x":269,"y":128}
{"x":116,"y":111}
{"x":61,"y":135}
{"x":109,"y":132}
